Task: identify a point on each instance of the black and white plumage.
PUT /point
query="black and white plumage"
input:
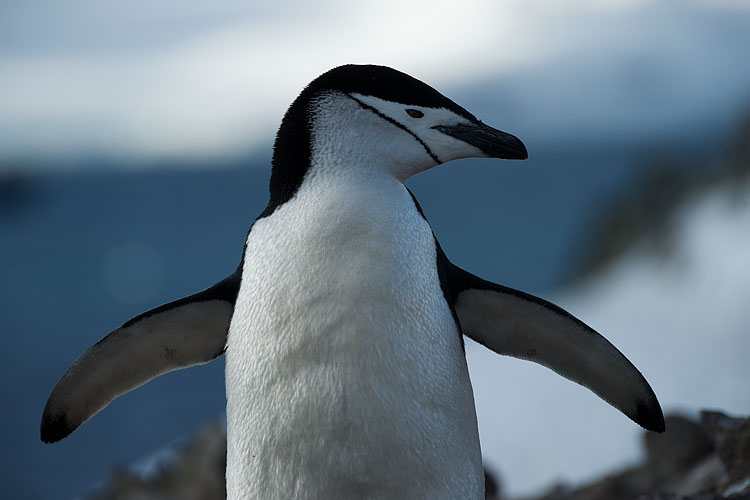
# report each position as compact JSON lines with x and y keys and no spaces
{"x":345,"y":370}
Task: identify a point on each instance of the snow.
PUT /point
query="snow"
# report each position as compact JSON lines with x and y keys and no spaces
{"x":683,"y":319}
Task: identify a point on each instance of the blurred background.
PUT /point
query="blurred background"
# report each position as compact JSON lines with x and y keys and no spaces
{"x":135,"y":139}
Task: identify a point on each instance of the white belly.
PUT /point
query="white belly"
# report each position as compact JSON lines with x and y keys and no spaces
{"x":344,"y":371}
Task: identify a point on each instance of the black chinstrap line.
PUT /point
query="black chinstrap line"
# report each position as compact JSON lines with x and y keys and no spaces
{"x":399,"y":125}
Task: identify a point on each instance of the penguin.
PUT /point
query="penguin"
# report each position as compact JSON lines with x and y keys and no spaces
{"x":342,"y":327}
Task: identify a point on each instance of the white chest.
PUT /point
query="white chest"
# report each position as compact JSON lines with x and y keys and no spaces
{"x":345,"y":374}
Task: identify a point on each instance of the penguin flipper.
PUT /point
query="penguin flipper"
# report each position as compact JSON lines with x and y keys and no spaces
{"x":518,"y":324}
{"x":186,"y":332}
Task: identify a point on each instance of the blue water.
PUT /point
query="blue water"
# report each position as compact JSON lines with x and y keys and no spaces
{"x":82,"y":252}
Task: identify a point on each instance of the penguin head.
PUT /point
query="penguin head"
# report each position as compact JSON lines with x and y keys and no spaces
{"x":366,"y":116}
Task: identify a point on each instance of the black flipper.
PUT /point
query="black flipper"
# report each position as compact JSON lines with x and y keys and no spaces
{"x":520,"y":325}
{"x":186,"y":332}
{"x":517,"y":324}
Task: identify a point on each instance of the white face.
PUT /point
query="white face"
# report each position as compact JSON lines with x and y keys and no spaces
{"x":403,"y":141}
{"x":445,"y":147}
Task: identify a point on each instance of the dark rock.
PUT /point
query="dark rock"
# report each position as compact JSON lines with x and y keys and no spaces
{"x":196,"y":472}
{"x":731,"y":437}
{"x":609,"y":488}
{"x":704,"y":476}
{"x":690,"y":461}
{"x":491,"y":486}
{"x":739,"y":490}
{"x":558,"y":492}
{"x":682,"y":445}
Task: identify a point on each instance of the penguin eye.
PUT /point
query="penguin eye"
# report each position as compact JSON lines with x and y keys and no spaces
{"x":414,"y":113}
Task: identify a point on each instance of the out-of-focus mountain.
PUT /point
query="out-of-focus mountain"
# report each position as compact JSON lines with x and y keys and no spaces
{"x":643,"y":214}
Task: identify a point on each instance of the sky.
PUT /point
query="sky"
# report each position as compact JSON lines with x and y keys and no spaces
{"x":141,"y":81}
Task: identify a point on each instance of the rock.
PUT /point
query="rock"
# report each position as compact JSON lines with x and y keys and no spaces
{"x":703,"y":477}
{"x":196,"y":472}
{"x":690,"y":461}
{"x":491,"y":486}
{"x":739,"y":490}
{"x":610,"y":488}
{"x":684,"y":443}
{"x":674,"y":452}
{"x":731,"y":437}
{"x":558,"y":492}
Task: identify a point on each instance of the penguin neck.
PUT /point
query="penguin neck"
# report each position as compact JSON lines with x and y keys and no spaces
{"x":333,"y":170}
{"x":291,"y":155}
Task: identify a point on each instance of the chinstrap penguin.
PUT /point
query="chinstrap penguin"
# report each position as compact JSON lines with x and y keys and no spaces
{"x":342,"y":326}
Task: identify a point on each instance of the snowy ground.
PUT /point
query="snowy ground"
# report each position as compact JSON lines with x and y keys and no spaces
{"x":682,"y":319}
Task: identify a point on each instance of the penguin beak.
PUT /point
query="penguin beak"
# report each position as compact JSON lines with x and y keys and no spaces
{"x":492,"y":142}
